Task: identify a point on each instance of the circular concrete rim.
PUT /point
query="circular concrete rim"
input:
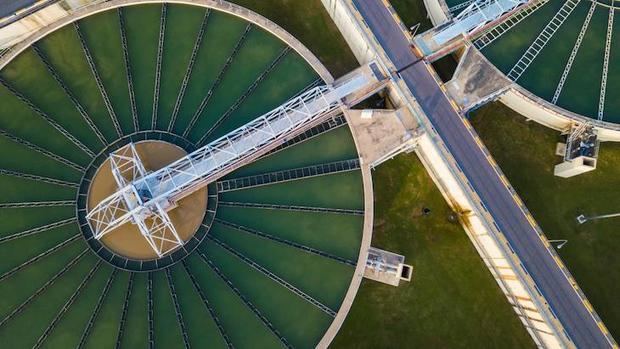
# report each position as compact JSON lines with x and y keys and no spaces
{"x":309,"y":57}
{"x":111,"y":257}
{"x":552,"y":108}
{"x":525,"y":94}
{"x":219,"y":5}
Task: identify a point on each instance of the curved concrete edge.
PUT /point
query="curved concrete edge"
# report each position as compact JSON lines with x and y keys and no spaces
{"x":316,"y":64}
{"x":545,"y":113}
{"x":358,"y":275}
{"x":527,"y":103}
{"x":219,"y":5}
{"x":437,"y":11}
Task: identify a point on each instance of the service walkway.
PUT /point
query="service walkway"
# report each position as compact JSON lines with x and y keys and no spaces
{"x":555,"y":286}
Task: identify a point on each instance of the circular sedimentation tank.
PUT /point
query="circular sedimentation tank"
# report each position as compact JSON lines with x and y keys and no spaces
{"x":126,"y":241}
{"x":271,"y":249}
{"x":578,"y":68}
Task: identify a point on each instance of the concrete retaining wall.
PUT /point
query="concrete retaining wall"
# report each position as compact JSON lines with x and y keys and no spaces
{"x":488,"y":245}
{"x":543,"y":112}
{"x":17,"y":31}
{"x":341,"y":15}
{"x":437,"y":11}
{"x":20,"y":28}
{"x":489,"y":242}
{"x":95,"y":6}
{"x":526,"y":103}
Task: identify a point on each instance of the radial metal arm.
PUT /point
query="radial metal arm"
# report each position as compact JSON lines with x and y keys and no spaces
{"x":143,"y":198}
{"x":154,"y":223}
{"x":475,"y":16}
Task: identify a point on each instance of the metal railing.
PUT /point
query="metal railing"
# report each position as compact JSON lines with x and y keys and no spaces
{"x":345,"y":211}
{"x":100,"y":85}
{"x":63,"y":310}
{"x":205,"y":100}
{"x":496,"y":32}
{"x":474,"y":17}
{"x":130,"y":88}
{"x":208,"y":305}
{"x":43,"y":288}
{"x":245,"y":300}
{"x":542,"y":39}
{"x":47,"y":118}
{"x":54,"y":73}
{"x":95,"y":314}
{"x":37,"y":230}
{"x":608,"y":37}
{"x":195,"y":170}
{"x":288,"y":175}
{"x":573,"y":54}
{"x":160,"y":54}
{"x":42,"y":151}
{"x":188,"y":71}
{"x":121,"y":325}
{"x":274,"y":277}
{"x":245,"y":95}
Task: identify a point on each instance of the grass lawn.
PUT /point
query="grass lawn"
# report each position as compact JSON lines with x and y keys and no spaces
{"x":310,"y":23}
{"x":452,"y":300}
{"x":525,"y":152}
{"x":527,"y":158}
{"x":412,"y":12}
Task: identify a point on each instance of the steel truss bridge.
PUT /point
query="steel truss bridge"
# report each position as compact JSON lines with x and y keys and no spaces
{"x":474,"y":18}
{"x":144,"y":198}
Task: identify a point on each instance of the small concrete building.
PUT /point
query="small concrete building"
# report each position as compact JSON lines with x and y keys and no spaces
{"x":386,"y":267}
{"x":580,"y":152}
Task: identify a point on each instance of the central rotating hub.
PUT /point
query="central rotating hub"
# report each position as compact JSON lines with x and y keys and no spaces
{"x":142,"y":194}
{"x":171,"y":222}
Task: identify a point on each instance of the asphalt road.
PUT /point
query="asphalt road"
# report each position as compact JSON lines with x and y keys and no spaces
{"x":496,"y":197}
{"x":9,"y":7}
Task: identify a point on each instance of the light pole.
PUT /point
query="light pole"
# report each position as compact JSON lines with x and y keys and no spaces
{"x":582,"y":218}
{"x":413,"y":30}
{"x":560,"y":242}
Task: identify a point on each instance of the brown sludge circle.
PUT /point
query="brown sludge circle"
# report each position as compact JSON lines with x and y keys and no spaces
{"x":126,"y":240}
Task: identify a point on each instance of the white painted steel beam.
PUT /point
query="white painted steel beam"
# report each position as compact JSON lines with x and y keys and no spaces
{"x":143,"y":198}
{"x":496,"y":32}
{"x":476,"y":15}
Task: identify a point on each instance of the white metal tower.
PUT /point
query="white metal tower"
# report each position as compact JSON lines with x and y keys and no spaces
{"x":145,"y":198}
